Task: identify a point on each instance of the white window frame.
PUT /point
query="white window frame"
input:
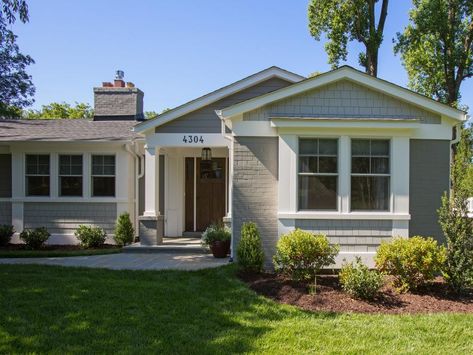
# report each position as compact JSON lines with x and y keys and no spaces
{"x":26,"y":175}
{"x":337,"y":174}
{"x":389,"y":175}
{"x":60,"y":175}
{"x":92,"y":175}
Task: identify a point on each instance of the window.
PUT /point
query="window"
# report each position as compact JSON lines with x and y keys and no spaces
{"x":70,"y":175}
{"x":37,"y":175}
{"x":370,"y":175}
{"x":318,"y":174}
{"x":103,"y":175}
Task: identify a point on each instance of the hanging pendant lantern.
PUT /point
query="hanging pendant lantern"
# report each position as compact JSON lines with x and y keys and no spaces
{"x":206,"y":154}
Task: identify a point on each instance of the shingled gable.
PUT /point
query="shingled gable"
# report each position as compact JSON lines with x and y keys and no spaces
{"x":266,"y":74}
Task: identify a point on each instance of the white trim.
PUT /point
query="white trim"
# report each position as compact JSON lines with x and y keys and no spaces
{"x":348,"y":216}
{"x":46,"y":199}
{"x":347,"y":73}
{"x":176,"y":140}
{"x":218,"y":95}
{"x":315,"y":123}
{"x":195,"y":194}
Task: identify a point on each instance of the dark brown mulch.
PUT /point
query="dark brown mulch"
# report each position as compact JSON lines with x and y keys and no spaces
{"x":434,"y":298}
{"x":14,"y":247}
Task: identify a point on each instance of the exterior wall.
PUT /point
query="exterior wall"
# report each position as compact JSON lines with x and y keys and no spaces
{"x":205,"y":120}
{"x":5,"y":212}
{"x":351,"y":235}
{"x":255,"y":189}
{"x":342,"y":99}
{"x":124,"y":102}
{"x":64,"y":218}
{"x":5,"y":175}
{"x":429,"y":179}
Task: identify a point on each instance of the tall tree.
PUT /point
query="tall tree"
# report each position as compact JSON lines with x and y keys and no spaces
{"x":344,"y":21}
{"x":436,"y":47}
{"x":16,"y":86}
{"x":60,"y":110}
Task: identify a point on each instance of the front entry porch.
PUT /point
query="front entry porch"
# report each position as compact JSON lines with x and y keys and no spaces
{"x":188,"y":189}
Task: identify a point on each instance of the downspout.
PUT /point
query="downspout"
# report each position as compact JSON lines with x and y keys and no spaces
{"x":138,"y":175}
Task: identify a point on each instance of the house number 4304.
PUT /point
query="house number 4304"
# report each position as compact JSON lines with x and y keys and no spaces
{"x":193,"y":139}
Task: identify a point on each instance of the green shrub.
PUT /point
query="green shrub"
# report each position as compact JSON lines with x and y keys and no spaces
{"x":35,"y":238}
{"x":90,"y":236}
{"x":359,"y":281}
{"x":6,"y":232}
{"x":216,"y":232}
{"x":250,"y":253}
{"x":412,"y":262}
{"x":124,"y":232}
{"x":458,"y":231}
{"x":300,"y":255}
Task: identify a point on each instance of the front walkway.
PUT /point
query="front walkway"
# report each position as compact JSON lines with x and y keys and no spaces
{"x":129,"y":261}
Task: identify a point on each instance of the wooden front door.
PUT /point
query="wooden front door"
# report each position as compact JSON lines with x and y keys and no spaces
{"x":209,"y":193}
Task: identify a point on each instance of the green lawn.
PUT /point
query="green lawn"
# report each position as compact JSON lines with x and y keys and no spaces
{"x":71,"y":310}
{"x":56,"y":253}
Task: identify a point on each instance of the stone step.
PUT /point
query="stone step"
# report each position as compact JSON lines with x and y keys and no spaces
{"x":165,"y":248}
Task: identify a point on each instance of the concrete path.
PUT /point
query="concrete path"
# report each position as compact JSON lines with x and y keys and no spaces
{"x":129,"y":261}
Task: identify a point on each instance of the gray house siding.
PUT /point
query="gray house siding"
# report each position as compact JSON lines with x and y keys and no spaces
{"x":351,"y":235}
{"x":204,"y":120}
{"x":64,"y":218}
{"x":5,"y":175}
{"x":5,"y":213}
{"x":343,"y":99}
{"x":428,"y":179}
{"x":255,"y":190}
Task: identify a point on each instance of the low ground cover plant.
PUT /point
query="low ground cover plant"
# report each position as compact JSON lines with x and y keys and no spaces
{"x":301,"y":255}
{"x":124,"y":232}
{"x":250,"y":255}
{"x":90,"y":236}
{"x":359,"y":281}
{"x":411,"y":261}
{"x":35,"y":238}
{"x":6,"y":232}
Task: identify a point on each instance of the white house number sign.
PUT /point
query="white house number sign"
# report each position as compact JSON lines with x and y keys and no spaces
{"x":189,"y":139}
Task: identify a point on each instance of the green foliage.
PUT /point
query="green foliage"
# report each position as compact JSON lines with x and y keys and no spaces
{"x":124,"y":232}
{"x":250,"y":253}
{"x":35,"y":238}
{"x":436,"y":47}
{"x":462,"y":166}
{"x":150,"y":114}
{"x":60,"y":110}
{"x":344,"y":21}
{"x":412,"y":261}
{"x":300,"y":255}
{"x":90,"y":236}
{"x":216,"y":232}
{"x":6,"y":232}
{"x":458,"y":231}
{"x":359,"y":281}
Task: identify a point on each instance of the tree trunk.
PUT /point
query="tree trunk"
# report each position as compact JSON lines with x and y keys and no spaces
{"x":372,"y":62}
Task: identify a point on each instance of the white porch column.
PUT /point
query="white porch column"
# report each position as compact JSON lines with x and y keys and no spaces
{"x":151,"y":182}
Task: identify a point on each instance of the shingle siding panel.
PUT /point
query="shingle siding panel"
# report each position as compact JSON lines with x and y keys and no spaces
{"x":428,"y":179}
{"x":255,"y":195}
{"x":5,"y":213}
{"x":64,"y":218}
{"x":342,"y":100}
{"x":204,"y":120}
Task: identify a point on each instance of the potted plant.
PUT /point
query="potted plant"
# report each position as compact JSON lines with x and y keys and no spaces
{"x":217,"y":238}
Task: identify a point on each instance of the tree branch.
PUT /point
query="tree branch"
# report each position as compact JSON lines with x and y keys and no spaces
{"x":382,"y":17}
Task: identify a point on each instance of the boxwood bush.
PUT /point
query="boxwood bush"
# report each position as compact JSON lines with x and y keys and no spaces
{"x":359,"y":281}
{"x":90,"y":236}
{"x":411,"y":261}
{"x":300,"y":255}
{"x":35,"y":238}
{"x":250,"y":255}
{"x":6,"y":232}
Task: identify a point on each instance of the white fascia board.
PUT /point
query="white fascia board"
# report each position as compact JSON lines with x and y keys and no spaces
{"x":348,"y":74}
{"x":348,"y":216}
{"x":218,"y":95}
{"x":343,"y":123}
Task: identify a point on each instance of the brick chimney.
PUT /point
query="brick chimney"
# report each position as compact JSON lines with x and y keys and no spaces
{"x":118,"y":101}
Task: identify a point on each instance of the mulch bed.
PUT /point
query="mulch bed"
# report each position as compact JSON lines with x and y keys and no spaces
{"x":434,"y":298}
{"x":15,"y":247}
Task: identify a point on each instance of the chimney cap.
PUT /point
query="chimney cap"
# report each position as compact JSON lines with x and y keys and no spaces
{"x":119,"y":75}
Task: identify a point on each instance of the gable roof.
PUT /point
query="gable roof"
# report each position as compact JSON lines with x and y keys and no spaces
{"x":347,"y":73}
{"x":218,"y":94}
{"x":66,"y":130}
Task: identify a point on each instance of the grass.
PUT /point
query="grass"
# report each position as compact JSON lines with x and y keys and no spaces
{"x":73,"y":310}
{"x":56,"y":253}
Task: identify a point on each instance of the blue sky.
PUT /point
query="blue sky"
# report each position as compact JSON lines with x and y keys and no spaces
{"x":177,"y":50}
